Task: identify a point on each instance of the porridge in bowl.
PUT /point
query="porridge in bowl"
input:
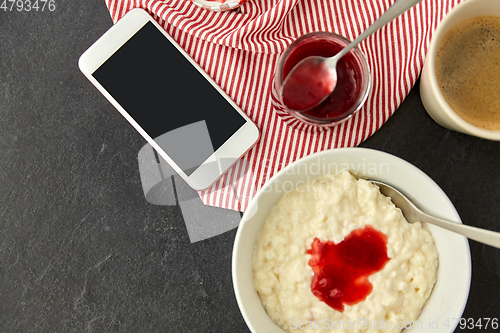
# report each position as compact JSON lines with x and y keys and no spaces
{"x":337,"y":254}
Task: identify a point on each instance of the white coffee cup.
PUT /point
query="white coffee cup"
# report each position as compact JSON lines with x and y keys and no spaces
{"x":430,"y":93}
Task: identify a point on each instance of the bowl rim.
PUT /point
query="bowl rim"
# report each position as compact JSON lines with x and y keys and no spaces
{"x":217,"y":6}
{"x":464,"y":279}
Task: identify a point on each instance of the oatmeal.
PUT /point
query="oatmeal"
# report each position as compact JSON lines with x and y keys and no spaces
{"x":330,"y":211}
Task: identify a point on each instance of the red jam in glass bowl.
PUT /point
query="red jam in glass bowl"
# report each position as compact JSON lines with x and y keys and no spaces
{"x":353,"y":78}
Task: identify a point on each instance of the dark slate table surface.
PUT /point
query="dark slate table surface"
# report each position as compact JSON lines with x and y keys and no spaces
{"x":80,"y":248}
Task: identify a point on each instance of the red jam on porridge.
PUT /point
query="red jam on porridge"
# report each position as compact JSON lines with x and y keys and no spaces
{"x":337,"y":250}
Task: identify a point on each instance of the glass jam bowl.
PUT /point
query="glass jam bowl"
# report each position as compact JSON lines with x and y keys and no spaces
{"x":353,"y":79}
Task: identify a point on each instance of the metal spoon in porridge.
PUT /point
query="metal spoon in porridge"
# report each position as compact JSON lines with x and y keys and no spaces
{"x":413,"y":214}
{"x":318,"y":75}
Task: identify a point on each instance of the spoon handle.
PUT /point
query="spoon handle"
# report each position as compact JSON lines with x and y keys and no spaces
{"x":488,"y":237}
{"x":398,"y":8}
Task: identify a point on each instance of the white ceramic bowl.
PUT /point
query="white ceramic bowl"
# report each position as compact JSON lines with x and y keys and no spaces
{"x":451,"y":291}
{"x":217,"y":6}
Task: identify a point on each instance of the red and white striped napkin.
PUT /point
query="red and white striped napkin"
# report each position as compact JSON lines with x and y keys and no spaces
{"x":239,"y":49}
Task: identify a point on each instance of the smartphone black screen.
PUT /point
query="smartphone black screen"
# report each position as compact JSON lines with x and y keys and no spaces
{"x":168,"y":98}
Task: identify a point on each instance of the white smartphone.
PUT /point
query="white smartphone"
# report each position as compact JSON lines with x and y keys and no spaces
{"x":168,"y":99}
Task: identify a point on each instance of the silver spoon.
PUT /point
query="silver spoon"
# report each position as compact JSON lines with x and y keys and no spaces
{"x":318,"y":75}
{"x":413,"y":214}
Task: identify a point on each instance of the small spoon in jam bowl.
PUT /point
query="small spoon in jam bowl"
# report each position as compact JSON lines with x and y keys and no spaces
{"x":314,"y":78}
{"x":413,"y":214}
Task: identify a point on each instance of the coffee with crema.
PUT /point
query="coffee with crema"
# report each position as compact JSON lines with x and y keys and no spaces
{"x":468,"y":70}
